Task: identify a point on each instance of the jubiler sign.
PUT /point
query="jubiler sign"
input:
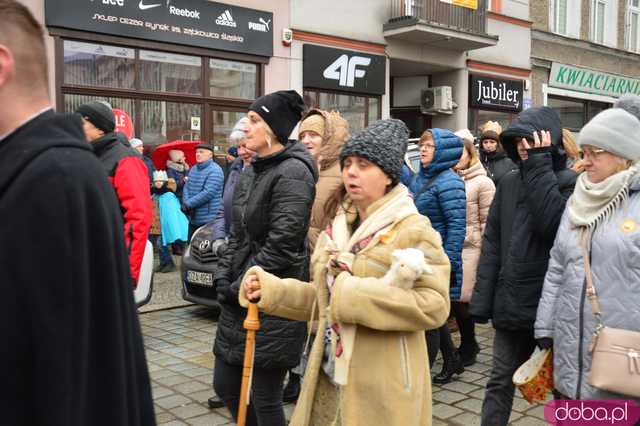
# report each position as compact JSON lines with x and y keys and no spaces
{"x":591,"y":81}
{"x":495,"y":93}
{"x":189,"y":22}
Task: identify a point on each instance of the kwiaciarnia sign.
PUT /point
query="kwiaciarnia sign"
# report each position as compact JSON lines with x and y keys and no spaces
{"x":592,"y":81}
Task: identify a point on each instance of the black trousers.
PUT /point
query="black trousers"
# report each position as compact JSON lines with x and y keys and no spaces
{"x":192,"y":230}
{"x":265,"y":408}
{"x":440,"y":340}
{"x":511,"y":349}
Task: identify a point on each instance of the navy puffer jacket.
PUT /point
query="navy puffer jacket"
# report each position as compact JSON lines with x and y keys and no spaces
{"x":444,"y":201}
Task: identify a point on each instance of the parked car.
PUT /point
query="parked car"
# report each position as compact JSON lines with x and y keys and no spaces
{"x":199,"y":265}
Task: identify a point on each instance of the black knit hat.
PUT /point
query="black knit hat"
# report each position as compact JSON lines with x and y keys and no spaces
{"x":384,"y":143}
{"x":281,"y":111}
{"x":99,"y":114}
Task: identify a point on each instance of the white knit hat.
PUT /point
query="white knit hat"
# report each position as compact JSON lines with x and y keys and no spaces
{"x":465,"y":134}
{"x":160,"y":175}
{"x":614,"y":130}
{"x":135,"y":142}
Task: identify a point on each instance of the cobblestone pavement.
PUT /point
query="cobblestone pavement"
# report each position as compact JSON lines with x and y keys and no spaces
{"x":167,"y":290}
{"x":179,"y":341}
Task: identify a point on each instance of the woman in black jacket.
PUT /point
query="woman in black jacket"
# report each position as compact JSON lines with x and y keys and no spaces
{"x":271,"y":207}
{"x":493,"y":158}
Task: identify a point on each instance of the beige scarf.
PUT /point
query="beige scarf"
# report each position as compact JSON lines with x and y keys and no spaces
{"x":593,"y":203}
{"x":382,"y":216}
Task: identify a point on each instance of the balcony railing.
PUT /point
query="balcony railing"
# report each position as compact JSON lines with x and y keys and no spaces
{"x":439,"y":13}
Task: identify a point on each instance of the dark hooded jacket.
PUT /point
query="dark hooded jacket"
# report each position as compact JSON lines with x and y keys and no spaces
{"x":271,"y":208}
{"x":522,"y":225}
{"x":73,"y":348}
{"x":439,"y":195}
{"x":496,"y":163}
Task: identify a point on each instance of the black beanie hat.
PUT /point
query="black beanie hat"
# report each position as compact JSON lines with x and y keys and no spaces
{"x":99,"y":114}
{"x":384,"y":143}
{"x":281,"y":110}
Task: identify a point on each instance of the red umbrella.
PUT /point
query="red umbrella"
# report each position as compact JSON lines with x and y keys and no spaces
{"x":161,"y":154}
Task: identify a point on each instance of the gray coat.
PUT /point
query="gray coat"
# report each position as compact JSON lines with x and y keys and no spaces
{"x":615,"y":264}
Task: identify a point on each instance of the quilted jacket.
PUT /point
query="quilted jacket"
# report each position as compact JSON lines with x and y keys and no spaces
{"x":444,"y":201}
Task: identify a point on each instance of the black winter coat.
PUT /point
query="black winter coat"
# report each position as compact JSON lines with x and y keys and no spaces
{"x":521,"y":227}
{"x":497,"y":164}
{"x":271,"y":209}
{"x":73,"y":349}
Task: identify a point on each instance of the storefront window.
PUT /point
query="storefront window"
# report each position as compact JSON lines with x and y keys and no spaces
{"x":359,"y":111}
{"x":98,"y":65}
{"x":162,"y":122}
{"x":223,"y":122}
{"x":170,"y":72}
{"x":229,"y":79}
{"x":575,"y":113}
{"x":72,"y":102}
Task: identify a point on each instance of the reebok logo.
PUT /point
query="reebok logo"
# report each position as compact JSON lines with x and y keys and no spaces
{"x":193,"y":14}
{"x":226,"y":19}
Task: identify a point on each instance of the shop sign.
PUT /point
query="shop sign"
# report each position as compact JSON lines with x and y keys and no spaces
{"x":496,"y":93}
{"x":592,"y":81}
{"x":469,"y":4}
{"x":346,"y":70}
{"x":188,"y":22}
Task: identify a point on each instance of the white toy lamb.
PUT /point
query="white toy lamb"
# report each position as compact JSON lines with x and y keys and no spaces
{"x":407,"y":266}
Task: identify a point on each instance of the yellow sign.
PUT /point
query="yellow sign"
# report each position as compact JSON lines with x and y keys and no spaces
{"x":469,"y":4}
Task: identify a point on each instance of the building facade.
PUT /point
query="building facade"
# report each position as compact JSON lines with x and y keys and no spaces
{"x":584,"y":55}
{"x":178,"y":69}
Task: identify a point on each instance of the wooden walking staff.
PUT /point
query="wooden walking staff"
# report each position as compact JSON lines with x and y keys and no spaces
{"x":251,"y":324}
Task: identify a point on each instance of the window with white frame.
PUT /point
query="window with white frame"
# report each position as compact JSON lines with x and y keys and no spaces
{"x":560,"y":16}
{"x":598,"y":10}
{"x":633,"y":19}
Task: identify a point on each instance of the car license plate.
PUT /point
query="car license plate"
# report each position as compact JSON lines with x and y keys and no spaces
{"x":200,"y":278}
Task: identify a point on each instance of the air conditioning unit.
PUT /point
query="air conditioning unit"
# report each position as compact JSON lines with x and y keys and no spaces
{"x":436,"y":100}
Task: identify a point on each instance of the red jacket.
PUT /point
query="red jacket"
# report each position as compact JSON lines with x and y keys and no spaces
{"x":130,"y":179}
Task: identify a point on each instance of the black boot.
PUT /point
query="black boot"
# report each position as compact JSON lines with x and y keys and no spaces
{"x":292,"y":390}
{"x":215,"y":402}
{"x":468,"y":354}
{"x":449,"y":369}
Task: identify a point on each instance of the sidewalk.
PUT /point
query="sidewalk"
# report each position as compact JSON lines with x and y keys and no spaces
{"x":179,"y":352}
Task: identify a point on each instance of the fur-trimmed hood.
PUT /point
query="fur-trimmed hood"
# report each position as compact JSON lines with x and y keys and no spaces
{"x":336,"y":132}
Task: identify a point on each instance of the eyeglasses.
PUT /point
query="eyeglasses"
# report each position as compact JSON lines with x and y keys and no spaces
{"x":592,"y":153}
{"x":427,"y":147}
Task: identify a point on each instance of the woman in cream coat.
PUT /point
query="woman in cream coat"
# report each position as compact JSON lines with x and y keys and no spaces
{"x":382,"y":377}
{"x":479,"y":189}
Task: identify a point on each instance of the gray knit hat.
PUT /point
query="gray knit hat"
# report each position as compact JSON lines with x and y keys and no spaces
{"x":629,"y":103}
{"x":384,"y":143}
{"x":614,"y":130}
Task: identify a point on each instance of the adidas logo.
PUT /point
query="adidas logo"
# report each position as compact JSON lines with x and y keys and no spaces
{"x":226,"y":19}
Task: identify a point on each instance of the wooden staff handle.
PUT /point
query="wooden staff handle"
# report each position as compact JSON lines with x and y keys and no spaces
{"x":251,"y":324}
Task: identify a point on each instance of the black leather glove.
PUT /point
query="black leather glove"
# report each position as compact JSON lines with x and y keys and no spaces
{"x":545,"y":343}
{"x":222,"y":290}
{"x":227,"y":294}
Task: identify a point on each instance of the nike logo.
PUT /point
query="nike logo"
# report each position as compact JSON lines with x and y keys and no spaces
{"x":143,"y":6}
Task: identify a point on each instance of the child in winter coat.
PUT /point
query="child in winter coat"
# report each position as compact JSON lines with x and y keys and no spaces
{"x":173,"y":223}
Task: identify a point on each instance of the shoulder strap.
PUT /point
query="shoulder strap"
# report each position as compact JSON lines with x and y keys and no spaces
{"x":590,"y":290}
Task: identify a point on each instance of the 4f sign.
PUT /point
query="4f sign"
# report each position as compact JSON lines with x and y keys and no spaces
{"x":345,"y":69}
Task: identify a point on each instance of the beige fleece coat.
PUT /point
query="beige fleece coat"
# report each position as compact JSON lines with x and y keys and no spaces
{"x":388,"y":376}
{"x":480,"y":190}
{"x":336,"y":132}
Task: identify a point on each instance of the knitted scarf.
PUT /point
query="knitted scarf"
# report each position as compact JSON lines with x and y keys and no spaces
{"x":593,"y":203}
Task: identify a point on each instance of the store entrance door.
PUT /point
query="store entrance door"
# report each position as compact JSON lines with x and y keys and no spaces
{"x":416,"y":121}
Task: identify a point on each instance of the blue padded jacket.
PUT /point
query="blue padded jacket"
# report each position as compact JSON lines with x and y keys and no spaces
{"x":203,"y":192}
{"x":444,"y":201}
